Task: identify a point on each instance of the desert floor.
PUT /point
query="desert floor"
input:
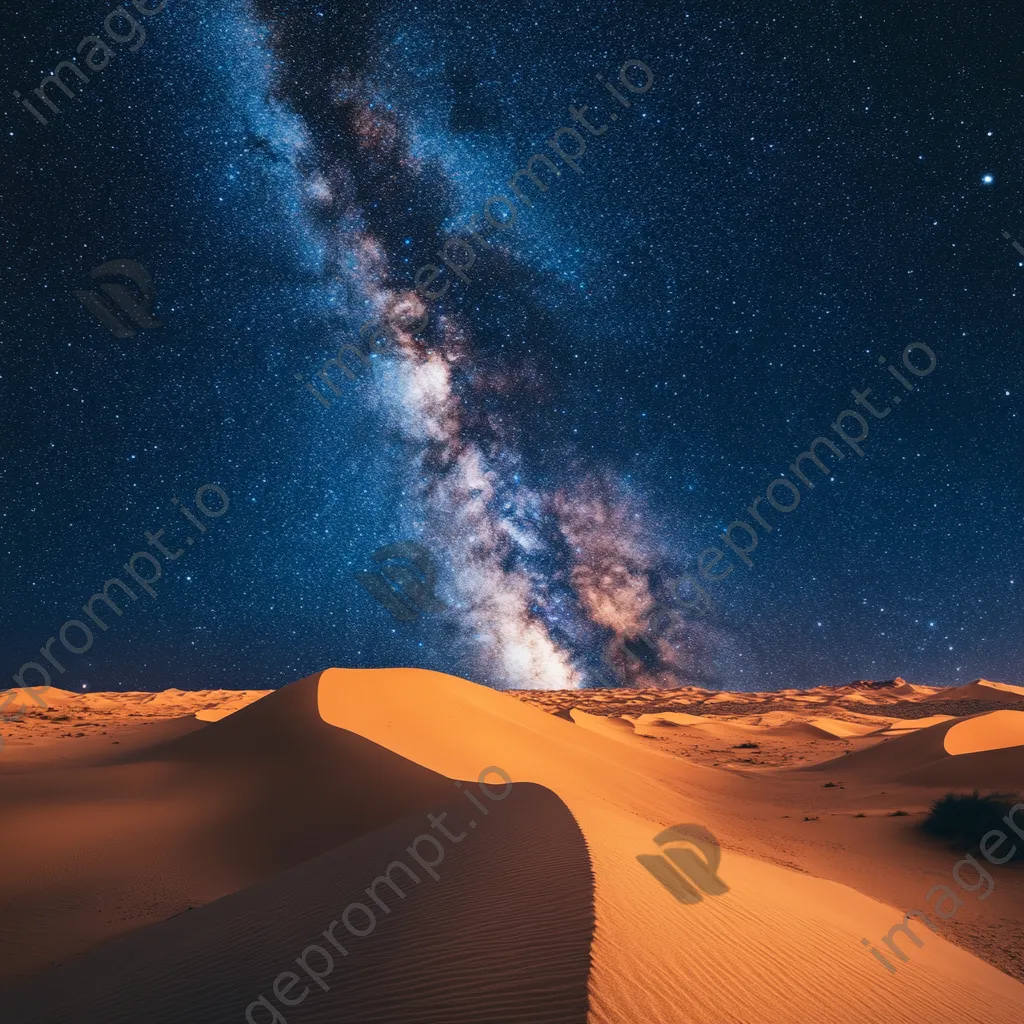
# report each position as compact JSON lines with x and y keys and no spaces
{"x":167,"y":855}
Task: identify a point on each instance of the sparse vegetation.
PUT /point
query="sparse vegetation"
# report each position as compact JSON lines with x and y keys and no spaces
{"x":861,"y":815}
{"x":747,"y":746}
{"x":830,"y":785}
{"x":964,"y":818}
{"x":899,"y":814}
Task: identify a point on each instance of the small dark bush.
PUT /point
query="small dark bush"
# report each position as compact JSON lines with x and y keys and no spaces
{"x":747,"y":746}
{"x":861,"y":815}
{"x":965,"y":817}
{"x":830,"y":785}
{"x":899,"y":814}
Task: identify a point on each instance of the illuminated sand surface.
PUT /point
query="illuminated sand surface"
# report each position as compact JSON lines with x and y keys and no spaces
{"x":268,"y":813}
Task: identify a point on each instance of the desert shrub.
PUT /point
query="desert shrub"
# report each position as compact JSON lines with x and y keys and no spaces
{"x":746,"y":746}
{"x":964,"y":818}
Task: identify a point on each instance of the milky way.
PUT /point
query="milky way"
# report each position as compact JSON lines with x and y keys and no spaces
{"x":541,"y":578}
{"x":624,"y":367}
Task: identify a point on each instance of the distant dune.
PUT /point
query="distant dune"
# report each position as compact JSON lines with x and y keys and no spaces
{"x":981,"y":689}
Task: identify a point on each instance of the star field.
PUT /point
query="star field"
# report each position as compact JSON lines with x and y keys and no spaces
{"x":803,"y":191}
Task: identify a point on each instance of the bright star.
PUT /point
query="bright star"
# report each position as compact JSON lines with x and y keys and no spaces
{"x":987,"y":179}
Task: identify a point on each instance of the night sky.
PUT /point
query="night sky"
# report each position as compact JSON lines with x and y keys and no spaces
{"x":802,"y":191}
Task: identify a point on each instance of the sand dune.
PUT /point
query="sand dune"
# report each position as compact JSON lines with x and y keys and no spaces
{"x":984,"y":750}
{"x":892,"y":758}
{"x":768,"y":725}
{"x":52,"y":696}
{"x":182,"y":819}
{"x":986,"y":732}
{"x":861,"y":698}
{"x":503,"y":934}
{"x":670,"y":718}
{"x":836,"y":727}
{"x":281,"y":813}
{"x":901,"y":726}
{"x":84,"y":717}
{"x":981,"y":689}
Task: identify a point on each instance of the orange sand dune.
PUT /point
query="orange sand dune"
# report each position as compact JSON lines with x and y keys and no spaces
{"x":929,"y":756}
{"x":773,"y":724}
{"x":981,"y":689}
{"x":901,"y":726}
{"x":670,"y":718}
{"x":299,"y":799}
{"x":52,"y":696}
{"x":621,"y":795}
{"x":995,"y":730}
{"x":863,"y":698}
{"x":179,"y":820}
{"x":835,"y":727}
{"x":503,"y":933}
{"x":87,"y":716}
{"x":605,"y":725}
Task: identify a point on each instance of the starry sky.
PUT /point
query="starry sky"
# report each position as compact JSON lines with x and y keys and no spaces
{"x":803,"y":191}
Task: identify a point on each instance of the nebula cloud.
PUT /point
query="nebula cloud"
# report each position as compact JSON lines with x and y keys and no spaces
{"x":544,"y":577}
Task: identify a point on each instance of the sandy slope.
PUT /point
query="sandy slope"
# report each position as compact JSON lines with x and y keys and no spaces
{"x":299,"y":799}
{"x":503,"y":933}
{"x":979,"y":751}
{"x":758,"y":954}
{"x":981,"y":689}
{"x":993,"y":731}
